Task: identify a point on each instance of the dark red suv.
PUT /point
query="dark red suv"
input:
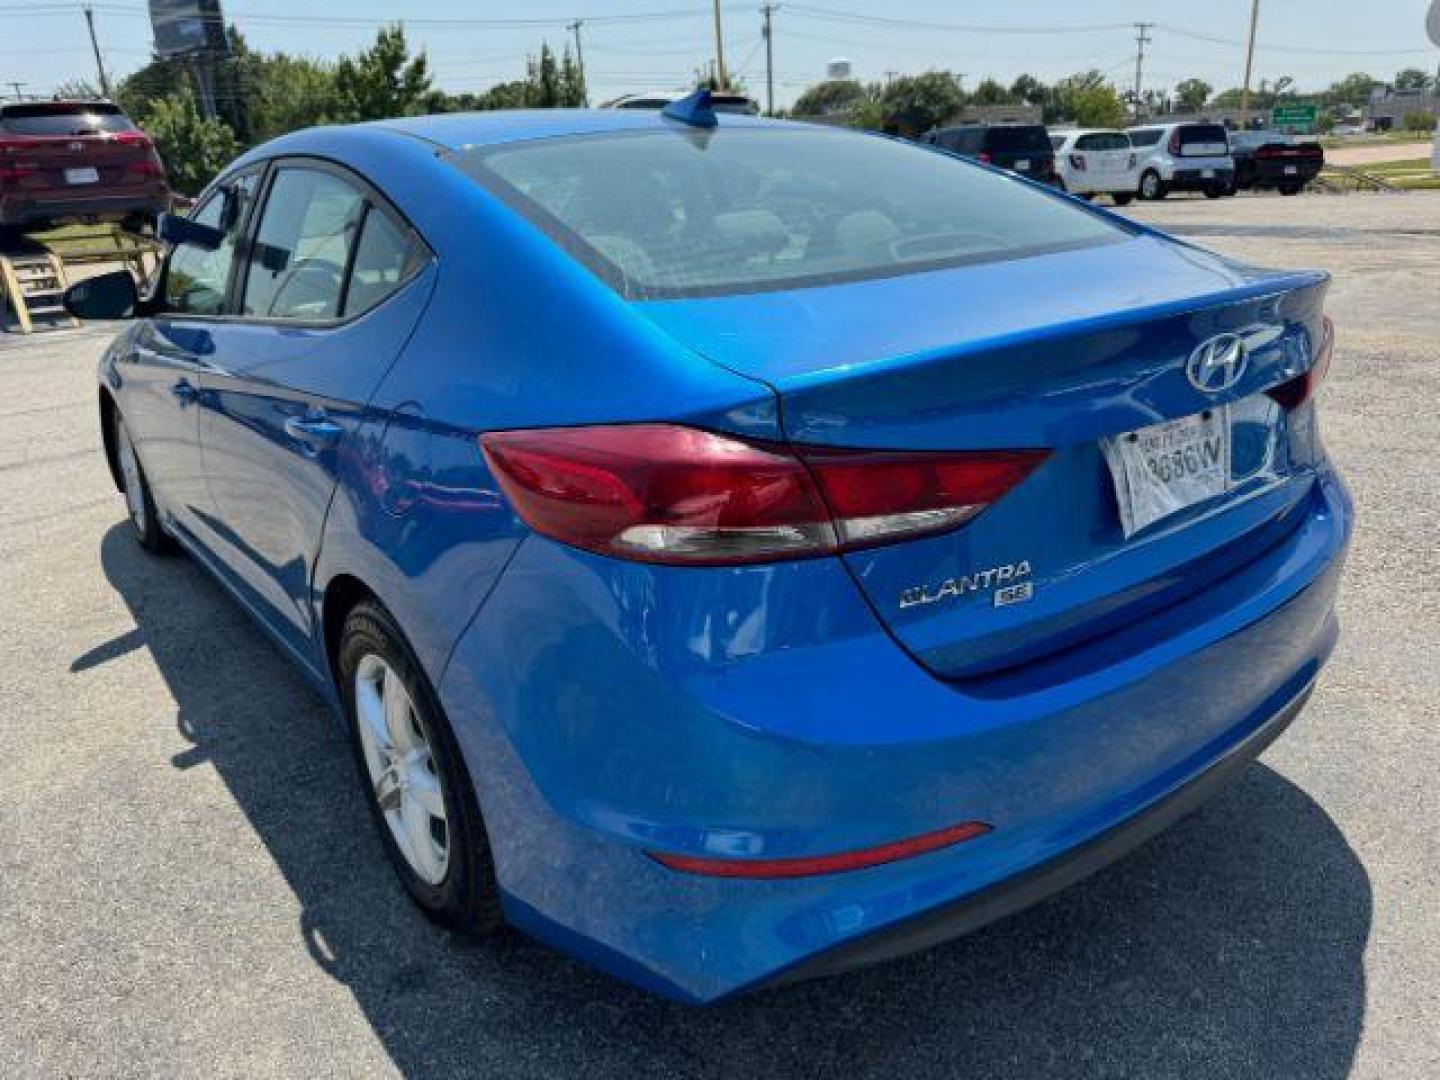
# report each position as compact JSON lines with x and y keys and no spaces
{"x":75,"y":161}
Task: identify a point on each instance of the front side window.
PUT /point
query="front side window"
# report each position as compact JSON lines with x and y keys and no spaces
{"x":196,"y":279}
{"x":693,"y":213}
{"x":308,"y":225}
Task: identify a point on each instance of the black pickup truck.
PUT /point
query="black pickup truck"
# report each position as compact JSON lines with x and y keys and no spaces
{"x":1272,"y":159}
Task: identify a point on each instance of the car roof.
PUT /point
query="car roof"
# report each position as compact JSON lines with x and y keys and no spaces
{"x":461,"y":131}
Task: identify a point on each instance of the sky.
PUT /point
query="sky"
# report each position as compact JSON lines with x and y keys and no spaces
{"x":637,"y":45}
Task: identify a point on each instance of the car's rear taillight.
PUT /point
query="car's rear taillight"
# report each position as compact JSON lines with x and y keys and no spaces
{"x":1077,"y":161}
{"x":1293,"y":393}
{"x":671,"y":494}
{"x":149,"y":168}
{"x":1174,"y":144}
{"x":985,"y":157}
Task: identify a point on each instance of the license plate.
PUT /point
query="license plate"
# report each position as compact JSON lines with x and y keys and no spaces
{"x":1207,"y":174}
{"x":1022,"y":164}
{"x":1291,"y":170}
{"x":82,"y":176}
{"x":1165,"y":468}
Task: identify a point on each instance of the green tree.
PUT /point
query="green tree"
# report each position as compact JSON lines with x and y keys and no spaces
{"x":1030,"y":90}
{"x":383,"y":81}
{"x":1419,"y":121}
{"x":1192,"y":94}
{"x":1087,"y":99}
{"x":991,"y":92}
{"x":1354,"y":89}
{"x":1412,"y":79}
{"x":193,"y":149}
{"x":913,"y":104}
{"x":833,"y":98}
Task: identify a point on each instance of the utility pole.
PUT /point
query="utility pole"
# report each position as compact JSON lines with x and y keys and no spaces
{"x":17,"y":85}
{"x":767,"y":11}
{"x":1249,"y":65}
{"x":722,"y":81}
{"x":94,"y":44}
{"x":1142,"y":38}
{"x":574,"y":27}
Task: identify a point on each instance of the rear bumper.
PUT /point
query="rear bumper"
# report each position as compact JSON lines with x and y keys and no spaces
{"x":1196,"y":180}
{"x":23,"y":209}
{"x":611,"y":709}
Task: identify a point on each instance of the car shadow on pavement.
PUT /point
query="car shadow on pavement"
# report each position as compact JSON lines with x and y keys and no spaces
{"x":1231,"y":946}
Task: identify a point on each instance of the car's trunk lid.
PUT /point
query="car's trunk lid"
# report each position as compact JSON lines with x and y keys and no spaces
{"x":1058,"y":352}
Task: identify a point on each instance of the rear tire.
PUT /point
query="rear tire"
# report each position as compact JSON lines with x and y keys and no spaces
{"x":1290,"y":189}
{"x":1214,"y":192}
{"x":1152,"y":188}
{"x":414,"y":777}
{"x":139,"y":502}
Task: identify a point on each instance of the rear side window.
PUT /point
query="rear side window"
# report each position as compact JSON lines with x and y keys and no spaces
{"x":674,"y":213}
{"x":385,"y":257}
{"x":1018,"y":140}
{"x":63,"y":118}
{"x":960,"y":140}
{"x":1103,"y":140}
{"x":297,"y":268}
{"x":1144,"y":136}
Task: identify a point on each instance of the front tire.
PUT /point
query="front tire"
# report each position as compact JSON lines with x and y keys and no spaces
{"x":1152,"y":188}
{"x":1290,"y":189}
{"x":1123,"y":198}
{"x":139,"y":502}
{"x":414,"y":778}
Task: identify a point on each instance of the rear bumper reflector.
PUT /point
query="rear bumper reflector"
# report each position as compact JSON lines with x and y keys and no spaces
{"x":808,"y":866}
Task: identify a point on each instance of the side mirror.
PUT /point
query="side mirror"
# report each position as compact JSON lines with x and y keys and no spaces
{"x":105,"y":296}
{"x":174,"y":229}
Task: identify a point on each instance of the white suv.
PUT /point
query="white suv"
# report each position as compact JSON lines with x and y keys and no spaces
{"x":1097,"y":161}
{"x":1184,"y":157}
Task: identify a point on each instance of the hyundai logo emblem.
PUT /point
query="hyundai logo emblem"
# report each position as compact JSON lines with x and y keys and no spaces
{"x":1218,"y":364}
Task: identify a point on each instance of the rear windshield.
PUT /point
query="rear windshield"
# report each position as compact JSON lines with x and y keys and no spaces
{"x":1008,"y":139}
{"x":1209,"y":138}
{"x":688,"y":212}
{"x":58,"y":118}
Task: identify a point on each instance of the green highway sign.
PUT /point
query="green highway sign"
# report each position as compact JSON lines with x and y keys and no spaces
{"x":1298,"y":118}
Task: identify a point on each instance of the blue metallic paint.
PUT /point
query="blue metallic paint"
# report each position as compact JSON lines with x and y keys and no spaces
{"x":606,"y":707}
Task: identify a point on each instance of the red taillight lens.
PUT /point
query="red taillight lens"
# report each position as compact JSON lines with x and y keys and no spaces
{"x":823,"y":864}
{"x":985,"y":157}
{"x":671,"y":494}
{"x":1295,"y":392}
{"x":1174,"y":145}
{"x":16,"y":171}
{"x":1077,"y":161}
{"x":145,"y":169}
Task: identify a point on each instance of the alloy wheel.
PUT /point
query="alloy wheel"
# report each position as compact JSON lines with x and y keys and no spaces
{"x":403,"y":774}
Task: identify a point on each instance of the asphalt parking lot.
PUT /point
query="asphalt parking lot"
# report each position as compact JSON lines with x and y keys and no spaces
{"x":189,"y":883}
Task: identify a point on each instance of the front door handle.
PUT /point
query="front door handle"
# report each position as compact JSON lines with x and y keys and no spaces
{"x":317,"y":431}
{"x":186,"y":391}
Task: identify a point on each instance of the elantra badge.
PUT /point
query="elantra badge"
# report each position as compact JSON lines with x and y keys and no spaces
{"x":1218,"y":364}
{"x":1008,"y":582}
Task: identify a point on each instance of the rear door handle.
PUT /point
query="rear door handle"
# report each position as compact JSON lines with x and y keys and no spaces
{"x":185,"y":390}
{"x":317,"y":431}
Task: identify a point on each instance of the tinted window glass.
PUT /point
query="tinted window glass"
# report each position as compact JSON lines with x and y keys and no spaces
{"x":960,"y":140}
{"x":1144,"y":136}
{"x":196,"y":279}
{"x":1103,"y":140}
{"x":1057,"y":141}
{"x":1018,"y":139}
{"x":297,"y":268}
{"x":54,"y":118}
{"x":384,"y":258}
{"x":675,"y":213}
{"x":1204,"y":138}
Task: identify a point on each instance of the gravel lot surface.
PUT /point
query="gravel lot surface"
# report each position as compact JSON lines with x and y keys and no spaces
{"x":189,"y":884}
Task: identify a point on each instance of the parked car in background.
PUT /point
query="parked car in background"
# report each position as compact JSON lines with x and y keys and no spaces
{"x":1097,"y":161}
{"x":1021,"y":148}
{"x":738,"y":550}
{"x":740,"y":104}
{"x":1273,"y":159}
{"x":1183,"y":157}
{"x":75,"y":161}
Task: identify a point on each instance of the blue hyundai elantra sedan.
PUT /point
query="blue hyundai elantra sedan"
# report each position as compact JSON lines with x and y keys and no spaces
{"x":738,"y":550}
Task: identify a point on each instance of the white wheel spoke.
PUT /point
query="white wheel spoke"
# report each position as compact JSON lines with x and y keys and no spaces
{"x":415,"y":820}
{"x":397,"y":713}
{"x":425,"y":789}
{"x":371,"y":707}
